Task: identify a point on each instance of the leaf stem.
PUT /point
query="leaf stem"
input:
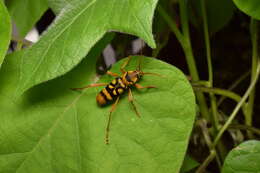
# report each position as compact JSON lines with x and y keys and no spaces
{"x":234,"y":85}
{"x":219,"y":91}
{"x":223,"y":92}
{"x":209,"y":62}
{"x":171,"y":24}
{"x":186,"y":45}
{"x":250,"y":106}
{"x":203,"y":166}
{"x":230,"y":119}
{"x":205,"y":131}
{"x":235,"y":111}
{"x":207,"y":40}
{"x":245,"y":127}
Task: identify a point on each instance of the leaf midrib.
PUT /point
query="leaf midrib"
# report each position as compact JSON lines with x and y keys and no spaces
{"x":59,"y":118}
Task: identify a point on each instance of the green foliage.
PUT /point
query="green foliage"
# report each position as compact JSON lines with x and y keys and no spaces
{"x":74,"y":32}
{"x":219,"y":13}
{"x":251,"y":8}
{"x":5,"y":31}
{"x":188,"y":164}
{"x":59,"y":130}
{"x":46,"y":127}
{"x":245,"y":158}
{"x":58,"y":5}
{"x":26,"y":13}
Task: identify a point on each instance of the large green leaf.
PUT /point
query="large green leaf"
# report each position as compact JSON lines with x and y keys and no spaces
{"x":245,"y":158}
{"x":75,"y":31}
{"x":26,"y":13}
{"x":53,"y":129}
{"x":251,"y":8}
{"x":5,"y":31}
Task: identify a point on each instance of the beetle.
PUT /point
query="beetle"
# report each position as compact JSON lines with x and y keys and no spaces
{"x":118,"y":86}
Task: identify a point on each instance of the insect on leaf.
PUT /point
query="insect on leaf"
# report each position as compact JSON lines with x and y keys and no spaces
{"x":54,"y":129}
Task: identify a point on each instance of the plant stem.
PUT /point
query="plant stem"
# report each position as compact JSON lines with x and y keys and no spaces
{"x":186,"y":45}
{"x":234,"y":85}
{"x":222,"y":92}
{"x":184,"y":40}
{"x":210,"y":71}
{"x":205,"y":131}
{"x":232,"y":116}
{"x":171,"y":24}
{"x":254,"y":38}
{"x":207,"y":41}
{"x":245,"y":127}
{"x":200,"y":83}
{"x":219,"y":91}
{"x":204,"y":165}
{"x":235,"y":111}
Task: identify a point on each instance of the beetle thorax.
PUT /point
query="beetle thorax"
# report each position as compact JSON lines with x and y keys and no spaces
{"x":131,"y":77}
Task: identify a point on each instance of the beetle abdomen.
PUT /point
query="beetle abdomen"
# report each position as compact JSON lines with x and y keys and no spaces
{"x":111,"y":92}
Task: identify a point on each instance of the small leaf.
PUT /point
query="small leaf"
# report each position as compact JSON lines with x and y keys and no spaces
{"x":53,"y":129}
{"x":245,"y":158}
{"x":5,"y":31}
{"x":26,"y":13}
{"x":251,"y":8}
{"x":76,"y":31}
{"x":188,"y":164}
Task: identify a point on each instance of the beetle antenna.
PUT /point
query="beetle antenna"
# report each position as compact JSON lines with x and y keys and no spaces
{"x":142,"y":46}
{"x":153,"y":74}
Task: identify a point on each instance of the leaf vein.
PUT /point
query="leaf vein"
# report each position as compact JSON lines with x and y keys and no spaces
{"x":55,"y":38}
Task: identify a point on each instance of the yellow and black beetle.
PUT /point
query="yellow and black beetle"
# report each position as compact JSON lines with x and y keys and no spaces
{"x":117,"y":87}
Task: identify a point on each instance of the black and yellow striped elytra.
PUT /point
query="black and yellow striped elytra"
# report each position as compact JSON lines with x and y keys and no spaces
{"x":117,"y":87}
{"x":121,"y":84}
{"x":111,"y":92}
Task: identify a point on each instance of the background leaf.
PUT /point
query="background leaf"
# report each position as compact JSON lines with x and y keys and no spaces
{"x":5,"y":31}
{"x":245,"y":158}
{"x":26,"y":13}
{"x":74,"y":32}
{"x":251,"y":8}
{"x":188,"y":164}
{"x":219,"y":13}
{"x":51,"y":122}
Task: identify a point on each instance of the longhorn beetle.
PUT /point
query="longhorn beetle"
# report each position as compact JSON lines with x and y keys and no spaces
{"x":119,"y":85}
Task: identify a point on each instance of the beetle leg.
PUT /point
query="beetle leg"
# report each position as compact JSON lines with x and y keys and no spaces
{"x":142,"y":87}
{"x":112,"y":74}
{"x":131,"y":100}
{"x":109,"y":119}
{"x":90,"y":86}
